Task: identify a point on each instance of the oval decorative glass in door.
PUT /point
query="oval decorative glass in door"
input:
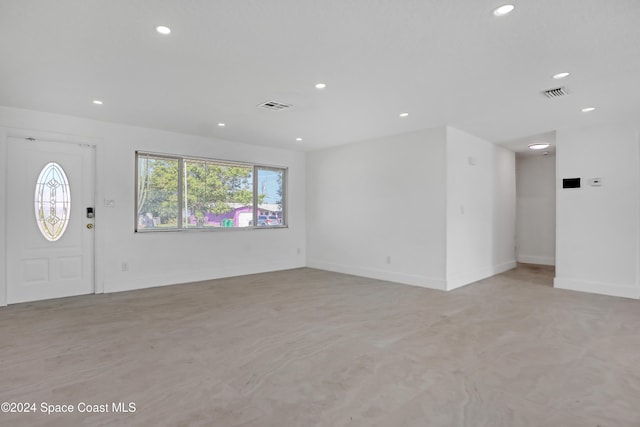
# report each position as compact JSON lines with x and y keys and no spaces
{"x":52,"y":201}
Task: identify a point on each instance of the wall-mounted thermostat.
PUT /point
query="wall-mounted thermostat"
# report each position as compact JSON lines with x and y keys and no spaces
{"x":571,"y":183}
{"x":595,"y":182}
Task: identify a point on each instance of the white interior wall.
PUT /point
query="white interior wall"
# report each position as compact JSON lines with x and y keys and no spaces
{"x":3,"y":207}
{"x":503,"y":177}
{"x":480,"y":209}
{"x":377,"y":199}
{"x":162,"y":258}
{"x":441,"y":233}
{"x":399,"y":210}
{"x":536,"y":209}
{"x":597,"y":248}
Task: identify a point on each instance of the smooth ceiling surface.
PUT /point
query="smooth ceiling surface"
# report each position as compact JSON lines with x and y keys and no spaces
{"x":445,"y":62}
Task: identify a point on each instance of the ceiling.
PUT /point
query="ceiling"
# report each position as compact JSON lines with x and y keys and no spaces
{"x":521,"y":145}
{"x":445,"y":62}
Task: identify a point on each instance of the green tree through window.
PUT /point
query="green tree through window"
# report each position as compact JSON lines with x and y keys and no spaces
{"x":175,"y":193}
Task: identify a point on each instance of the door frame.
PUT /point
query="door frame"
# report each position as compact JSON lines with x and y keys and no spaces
{"x":5,"y":134}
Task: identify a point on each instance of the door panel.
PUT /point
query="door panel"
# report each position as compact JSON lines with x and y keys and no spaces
{"x":38,"y":268}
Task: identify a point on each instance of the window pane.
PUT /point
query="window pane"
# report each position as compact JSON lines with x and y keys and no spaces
{"x":175,"y":192}
{"x":52,"y":201}
{"x":217,"y":195}
{"x":157,"y":192}
{"x":270,"y":197}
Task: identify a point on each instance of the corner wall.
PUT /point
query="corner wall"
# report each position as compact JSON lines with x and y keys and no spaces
{"x":597,"y":247}
{"x":377,"y":208}
{"x":415,"y":198}
{"x":480,"y":209}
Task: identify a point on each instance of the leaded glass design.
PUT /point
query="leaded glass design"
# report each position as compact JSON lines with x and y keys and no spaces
{"x":52,"y":201}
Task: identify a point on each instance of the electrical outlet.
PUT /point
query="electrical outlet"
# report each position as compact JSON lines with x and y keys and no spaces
{"x":388,"y":259}
{"x":125,"y":266}
{"x":299,"y":251}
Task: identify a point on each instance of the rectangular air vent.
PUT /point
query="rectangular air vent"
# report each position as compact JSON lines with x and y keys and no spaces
{"x":273,"y":105}
{"x":555,"y":93}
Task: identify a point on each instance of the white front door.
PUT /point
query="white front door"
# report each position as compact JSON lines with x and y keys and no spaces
{"x":49,"y":235}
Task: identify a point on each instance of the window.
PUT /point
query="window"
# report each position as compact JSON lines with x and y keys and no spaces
{"x":52,"y":201}
{"x":179,"y":193}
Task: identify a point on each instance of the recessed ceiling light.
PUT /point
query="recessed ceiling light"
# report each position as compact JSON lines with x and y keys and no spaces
{"x":503,"y":10}
{"x":163,"y":30}
{"x":538,"y":146}
{"x":404,"y":114}
{"x":97,"y":102}
{"x":586,"y":110}
{"x":221,"y":125}
{"x":560,"y":76}
{"x":298,"y":139}
{"x":320,"y":85}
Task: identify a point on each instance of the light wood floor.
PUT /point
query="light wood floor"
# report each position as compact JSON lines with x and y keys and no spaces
{"x":307,"y":347}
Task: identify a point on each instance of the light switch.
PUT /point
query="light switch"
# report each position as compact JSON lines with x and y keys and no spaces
{"x":109,"y":203}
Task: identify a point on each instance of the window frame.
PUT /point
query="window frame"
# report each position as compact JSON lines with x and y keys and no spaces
{"x":181,"y":159}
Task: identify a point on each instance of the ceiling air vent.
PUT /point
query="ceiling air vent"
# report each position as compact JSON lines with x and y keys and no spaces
{"x":556,"y":93}
{"x":275,"y":106}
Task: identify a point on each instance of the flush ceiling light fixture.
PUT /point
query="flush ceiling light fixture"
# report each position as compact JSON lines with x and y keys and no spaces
{"x":560,"y":76}
{"x":503,"y":10}
{"x":298,"y":139}
{"x":404,"y":114}
{"x":221,"y":125}
{"x":588,"y":109}
{"x":163,"y":29}
{"x":539,"y":146}
{"x":97,"y":102}
{"x":320,"y":85}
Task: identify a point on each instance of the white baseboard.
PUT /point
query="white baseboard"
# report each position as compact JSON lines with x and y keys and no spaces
{"x":505,"y":266}
{"x":597,"y":288}
{"x":535,"y":259}
{"x":391,"y":276}
{"x":466,"y":278}
{"x":166,"y":279}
